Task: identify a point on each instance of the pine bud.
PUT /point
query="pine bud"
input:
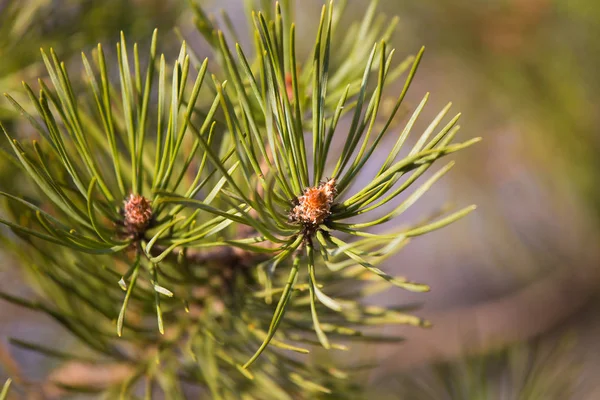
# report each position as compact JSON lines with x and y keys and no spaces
{"x":314,"y":206}
{"x":137,"y":213}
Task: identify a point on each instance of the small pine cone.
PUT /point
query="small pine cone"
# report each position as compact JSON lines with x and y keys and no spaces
{"x":314,"y":206}
{"x":137,"y":213}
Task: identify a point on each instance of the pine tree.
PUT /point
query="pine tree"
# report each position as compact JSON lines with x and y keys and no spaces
{"x":193,"y":220}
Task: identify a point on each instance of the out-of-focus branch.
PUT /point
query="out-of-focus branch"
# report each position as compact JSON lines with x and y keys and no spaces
{"x":526,"y":313}
{"x":77,"y":374}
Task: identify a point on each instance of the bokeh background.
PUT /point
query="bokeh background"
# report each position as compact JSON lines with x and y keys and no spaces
{"x":515,"y":285}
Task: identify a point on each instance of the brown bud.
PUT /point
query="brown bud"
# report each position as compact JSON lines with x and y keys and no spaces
{"x":137,"y":213}
{"x":314,"y":206}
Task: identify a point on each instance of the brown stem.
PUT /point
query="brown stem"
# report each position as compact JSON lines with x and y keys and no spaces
{"x":521,"y":315}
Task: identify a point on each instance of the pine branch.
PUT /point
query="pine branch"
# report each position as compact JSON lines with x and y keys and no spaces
{"x":211,"y":196}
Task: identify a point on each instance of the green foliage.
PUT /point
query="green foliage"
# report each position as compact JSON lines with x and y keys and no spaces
{"x":524,"y":371}
{"x":27,"y":25}
{"x":246,"y":252}
{"x":4,"y":392}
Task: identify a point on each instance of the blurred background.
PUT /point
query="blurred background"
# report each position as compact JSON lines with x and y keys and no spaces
{"x":515,"y":285}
